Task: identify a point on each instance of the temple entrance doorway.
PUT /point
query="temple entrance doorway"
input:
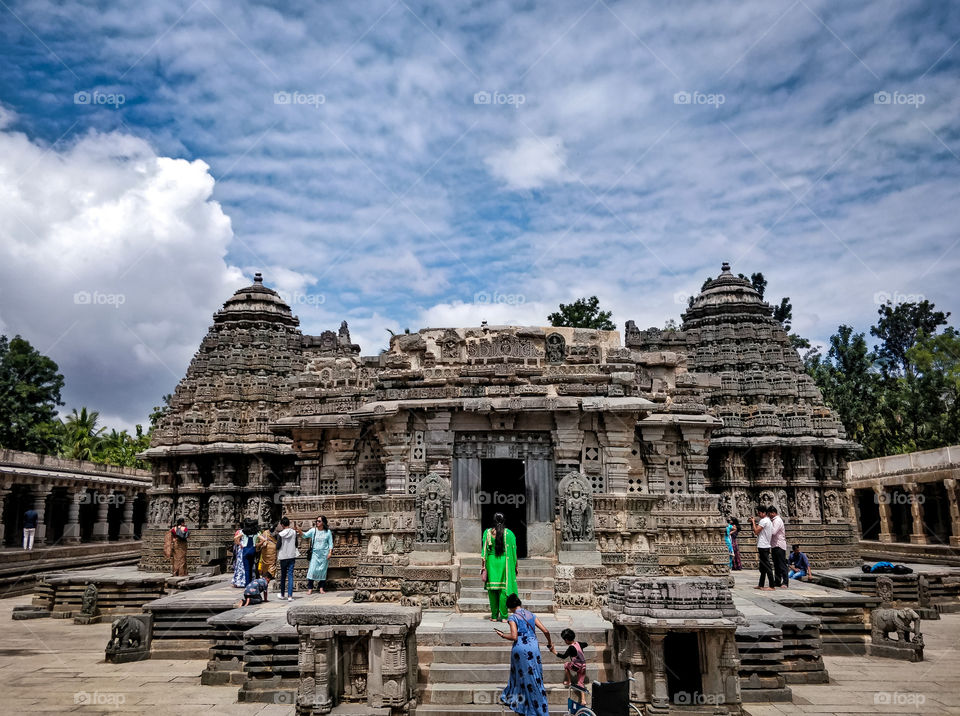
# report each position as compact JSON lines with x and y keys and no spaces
{"x":681,"y":660}
{"x":503,"y":489}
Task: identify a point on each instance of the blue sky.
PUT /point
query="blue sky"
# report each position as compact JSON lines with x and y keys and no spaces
{"x":150,"y":163}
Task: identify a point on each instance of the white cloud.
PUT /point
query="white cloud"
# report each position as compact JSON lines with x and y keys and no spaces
{"x":113,"y":264}
{"x":531,"y":163}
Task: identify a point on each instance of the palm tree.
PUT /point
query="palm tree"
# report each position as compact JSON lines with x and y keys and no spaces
{"x":82,"y":438}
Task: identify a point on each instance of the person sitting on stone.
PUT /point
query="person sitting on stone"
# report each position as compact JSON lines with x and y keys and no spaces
{"x":256,"y":591}
{"x":799,"y":564}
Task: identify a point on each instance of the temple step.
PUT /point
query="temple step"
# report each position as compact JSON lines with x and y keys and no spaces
{"x":482,"y":604}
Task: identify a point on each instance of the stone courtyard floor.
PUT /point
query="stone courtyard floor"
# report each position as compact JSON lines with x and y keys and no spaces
{"x":55,"y":666}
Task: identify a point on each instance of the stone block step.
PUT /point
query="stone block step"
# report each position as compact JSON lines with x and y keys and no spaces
{"x":537,"y":606}
{"x":479,"y":655}
{"x":475,"y":710}
{"x":522,"y":583}
{"x":468,"y":674}
{"x":480,"y":694}
{"x":541,"y":595}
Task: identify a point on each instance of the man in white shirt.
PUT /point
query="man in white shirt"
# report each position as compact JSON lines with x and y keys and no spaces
{"x":763,"y":532}
{"x":778,"y":549}
{"x":287,"y":554}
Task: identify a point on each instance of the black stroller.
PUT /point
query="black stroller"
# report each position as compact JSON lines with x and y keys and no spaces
{"x":611,"y":698}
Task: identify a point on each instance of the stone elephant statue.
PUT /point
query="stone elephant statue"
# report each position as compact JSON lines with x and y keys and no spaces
{"x":127,"y":633}
{"x":905,"y":622}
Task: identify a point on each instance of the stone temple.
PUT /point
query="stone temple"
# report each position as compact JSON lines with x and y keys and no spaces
{"x":616,"y":457}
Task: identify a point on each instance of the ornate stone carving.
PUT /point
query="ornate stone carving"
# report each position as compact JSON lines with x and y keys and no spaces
{"x":556,"y":348}
{"x":576,"y":508}
{"x":433,"y":509}
{"x":161,"y":510}
{"x":885,"y":590}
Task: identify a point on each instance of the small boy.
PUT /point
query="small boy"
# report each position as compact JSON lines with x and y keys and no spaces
{"x":256,"y":591}
{"x":576,"y":668}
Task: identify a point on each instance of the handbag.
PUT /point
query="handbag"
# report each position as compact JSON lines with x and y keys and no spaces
{"x":483,"y":575}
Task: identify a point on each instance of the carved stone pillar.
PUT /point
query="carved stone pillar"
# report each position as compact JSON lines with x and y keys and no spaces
{"x":661,"y":694}
{"x":918,"y":534}
{"x":71,"y":530}
{"x":101,"y":528}
{"x":567,"y":442}
{"x":4,"y":491}
{"x":40,"y":494}
{"x":950,"y":486}
{"x":616,"y":441}
{"x":882,"y":497}
{"x":126,"y":522}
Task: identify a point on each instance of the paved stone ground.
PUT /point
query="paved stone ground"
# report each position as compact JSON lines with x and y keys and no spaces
{"x":54,"y":666}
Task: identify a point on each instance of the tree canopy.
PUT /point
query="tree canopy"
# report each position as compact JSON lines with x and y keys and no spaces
{"x":30,"y":385}
{"x":582,"y":313}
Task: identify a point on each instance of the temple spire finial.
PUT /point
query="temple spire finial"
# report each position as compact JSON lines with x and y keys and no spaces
{"x":725,"y":267}
{"x":258,"y":277}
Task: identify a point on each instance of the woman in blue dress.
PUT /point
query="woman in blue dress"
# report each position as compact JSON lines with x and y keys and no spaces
{"x":525,"y":693}
{"x":320,"y":550}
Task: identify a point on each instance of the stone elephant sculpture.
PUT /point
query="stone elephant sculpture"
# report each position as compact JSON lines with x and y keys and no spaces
{"x":905,"y":622}
{"x":127,"y":633}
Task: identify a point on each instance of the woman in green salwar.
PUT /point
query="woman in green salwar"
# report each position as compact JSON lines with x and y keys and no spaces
{"x":499,"y":552}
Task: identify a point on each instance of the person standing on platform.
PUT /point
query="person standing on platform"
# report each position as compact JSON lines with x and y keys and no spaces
{"x":763,"y":530}
{"x":778,"y":549}
{"x":30,"y":519}
{"x":287,"y":552}
{"x":175,"y":547}
{"x":267,"y":549}
{"x":321,"y":547}
{"x":733,"y":546}
{"x":499,"y":574}
{"x":239,"y":569}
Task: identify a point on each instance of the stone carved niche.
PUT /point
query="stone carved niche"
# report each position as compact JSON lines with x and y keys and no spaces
{"x":161,"y":510}
{"x":556,"y":348}
{"x":576,"y":508}
{"x":433,"y":509}
{"x":220,"y":511}
{"x":190,"y":510}
{"x":259,"y":508}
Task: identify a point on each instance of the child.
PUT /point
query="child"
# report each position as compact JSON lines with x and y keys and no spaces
{"x":256,"y":591}
{"x":576,"y":668}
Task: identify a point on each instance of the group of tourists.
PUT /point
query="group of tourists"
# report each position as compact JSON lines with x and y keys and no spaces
{"x":262,"y":555}
{"x":776,"y":570}
{"x":268,"y":554}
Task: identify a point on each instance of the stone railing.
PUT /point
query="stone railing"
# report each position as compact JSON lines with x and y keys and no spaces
{"x":356,"y":654}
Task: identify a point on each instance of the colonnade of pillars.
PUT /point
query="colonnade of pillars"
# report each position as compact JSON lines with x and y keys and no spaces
{"x":922,"y":512}
{"x":84,"y":505}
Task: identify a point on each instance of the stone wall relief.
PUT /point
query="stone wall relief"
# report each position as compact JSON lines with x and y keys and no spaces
{"x":433,"y":509}
{"x":576,"y":508}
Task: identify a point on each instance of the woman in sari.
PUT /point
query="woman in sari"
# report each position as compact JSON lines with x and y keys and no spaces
{"x":239,"y":571}
{"x":178,"y":548}
{"x":267,"y":549}
{"x":499,"y":553}
{"x":524,"y":693}
{"x":321,"y":547}
{"x":733,"y":546}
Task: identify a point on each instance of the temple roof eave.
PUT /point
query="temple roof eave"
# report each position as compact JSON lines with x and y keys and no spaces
{"x":217,"y":448}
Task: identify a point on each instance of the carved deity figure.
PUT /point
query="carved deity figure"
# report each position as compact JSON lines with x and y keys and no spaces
{"x":89,"y":603}
{"x":556,"y":348}
{"x":576,"y":508}
{"x":161,"y":510}
{"x":433,"y":499}
{"x":190,"y":509}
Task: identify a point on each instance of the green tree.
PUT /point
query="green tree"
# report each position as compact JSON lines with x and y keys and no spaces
{"x":582,"y":313}
{"x":898,"y":328}
{"x":30,"y":385}
{"x":82,"y":437}
{"x":121,"y":448}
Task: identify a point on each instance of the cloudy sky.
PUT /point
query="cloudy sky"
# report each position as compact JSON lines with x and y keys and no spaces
{"x":401,"y":164}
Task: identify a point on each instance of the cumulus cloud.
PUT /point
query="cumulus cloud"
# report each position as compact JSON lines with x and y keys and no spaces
{"x":113,"y":264}
{"x":530,"y":163}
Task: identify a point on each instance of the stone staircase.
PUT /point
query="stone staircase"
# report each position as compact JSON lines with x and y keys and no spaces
{"x":464,"y":667}
{"x":535,"y":586}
